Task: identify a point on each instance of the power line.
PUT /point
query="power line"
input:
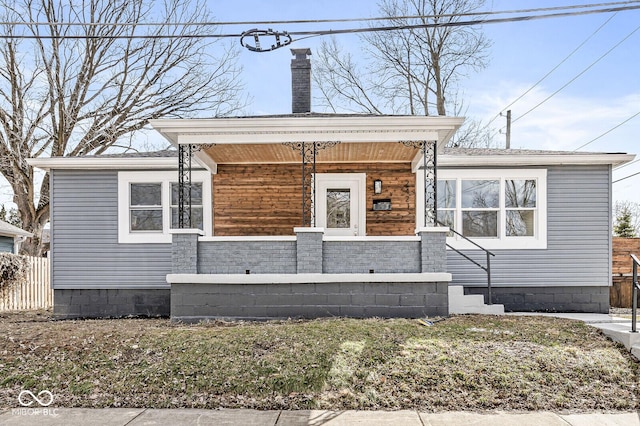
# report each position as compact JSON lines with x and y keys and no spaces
{"x":553,"y":69}
{"x":626,"y":177}
{"x":334,"y":20}
{"x":580,"y":74}
{"x":318,"y":33}
{"x":609,"y":131}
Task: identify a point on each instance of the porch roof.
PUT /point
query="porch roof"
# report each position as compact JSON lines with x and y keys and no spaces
{"x":363,"y":138}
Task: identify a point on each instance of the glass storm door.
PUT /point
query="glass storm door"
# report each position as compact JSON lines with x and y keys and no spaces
{"x":339,"y":204}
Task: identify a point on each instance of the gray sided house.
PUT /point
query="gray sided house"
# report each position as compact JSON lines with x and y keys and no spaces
{"x":11,"y":237}
{"x":311,"y":215}
{"x":253,"y":250}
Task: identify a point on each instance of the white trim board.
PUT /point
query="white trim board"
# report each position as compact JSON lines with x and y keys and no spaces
{"x":118,"y":163}
{"x":300,"y":128}
{"x":307,"y":278}
{"x":367,"y":238}
{"x":510,"y":160}
{"x":248,"y":238}
{"x":444,"y":160}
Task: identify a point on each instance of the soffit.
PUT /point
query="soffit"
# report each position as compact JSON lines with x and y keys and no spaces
{"x":342,"y":152}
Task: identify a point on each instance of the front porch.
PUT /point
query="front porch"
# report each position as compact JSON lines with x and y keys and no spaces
{"x":308,"y":275}
{"x":312,"y":216}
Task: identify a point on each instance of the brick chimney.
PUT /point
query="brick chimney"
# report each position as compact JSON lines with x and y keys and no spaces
{"x":301,"y":81}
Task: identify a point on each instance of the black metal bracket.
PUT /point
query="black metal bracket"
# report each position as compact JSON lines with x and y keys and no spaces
{"x":308,"y":152}
{"x":429,"y":151}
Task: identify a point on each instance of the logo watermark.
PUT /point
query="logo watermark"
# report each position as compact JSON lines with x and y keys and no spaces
{"x":40,"y":399}
{"x":44,"y":399}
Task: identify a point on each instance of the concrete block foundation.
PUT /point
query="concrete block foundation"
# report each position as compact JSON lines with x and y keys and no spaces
{"x":103,"y":303}
{"x":257,"y":297}
{"x":549,"y":299}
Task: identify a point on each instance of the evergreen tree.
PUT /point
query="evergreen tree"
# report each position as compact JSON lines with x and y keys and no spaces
{"x":623,"y":227}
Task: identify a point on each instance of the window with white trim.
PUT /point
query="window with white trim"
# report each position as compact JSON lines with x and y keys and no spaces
{"x":148,"y":205}
{"x":499,"y":209}
{"x":145,"y":207}
{"x":480,"y":207}
{"x":520,"y":207}
{"x":196,"y":205}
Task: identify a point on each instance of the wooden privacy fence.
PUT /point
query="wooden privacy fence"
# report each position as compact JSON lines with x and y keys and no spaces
{"x":621,"y":281}
{"x":34,"y":292}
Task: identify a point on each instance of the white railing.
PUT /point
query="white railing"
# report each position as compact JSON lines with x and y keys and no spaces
{"x":34,"y":292}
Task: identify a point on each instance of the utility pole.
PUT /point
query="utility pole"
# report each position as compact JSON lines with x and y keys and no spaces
{"x":508,"y":145}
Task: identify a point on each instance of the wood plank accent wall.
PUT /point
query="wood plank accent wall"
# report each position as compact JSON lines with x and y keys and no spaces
{"x":265,"y":199}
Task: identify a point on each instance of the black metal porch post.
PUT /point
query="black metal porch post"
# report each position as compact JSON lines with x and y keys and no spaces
{"x":184,"y":185}
{"x":429,"y":150}
{"x":309,"y":151}
{"x":429,"y":158}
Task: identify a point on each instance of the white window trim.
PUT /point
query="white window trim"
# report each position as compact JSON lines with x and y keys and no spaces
{"x":538,"y":241}
{"x":125,"y":179}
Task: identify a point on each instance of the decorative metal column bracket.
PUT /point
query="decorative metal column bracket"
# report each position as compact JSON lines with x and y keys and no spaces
{"x":429,"y":168}
{"x":185,"y":154}
{"x":308,"y":152}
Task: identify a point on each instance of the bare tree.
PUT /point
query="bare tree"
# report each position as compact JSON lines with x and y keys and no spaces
{"x":79,"y":77}
{"x":409,"y":70}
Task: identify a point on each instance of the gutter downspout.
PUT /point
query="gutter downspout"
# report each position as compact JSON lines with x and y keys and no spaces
{"x":17,"y":242}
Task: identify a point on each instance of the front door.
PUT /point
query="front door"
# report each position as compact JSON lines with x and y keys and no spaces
{"x":340,"y":203}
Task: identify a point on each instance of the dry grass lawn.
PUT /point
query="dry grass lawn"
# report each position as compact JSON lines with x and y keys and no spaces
{"x":460,"y":363}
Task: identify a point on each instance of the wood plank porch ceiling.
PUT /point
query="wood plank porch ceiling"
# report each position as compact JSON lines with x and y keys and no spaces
{"x":381,"y":152}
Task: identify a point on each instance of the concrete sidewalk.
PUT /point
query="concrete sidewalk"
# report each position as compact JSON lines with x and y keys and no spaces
{"x":139,"y":417}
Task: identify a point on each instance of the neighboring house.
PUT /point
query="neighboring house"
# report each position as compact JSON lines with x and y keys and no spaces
{"x":11,"y":237}
{"x":308,"y":215}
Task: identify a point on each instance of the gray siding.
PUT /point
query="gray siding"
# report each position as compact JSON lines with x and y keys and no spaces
{"x":86,"y":253}
{"x":6,"y":244}
{"x":84,"y":237}
{"x":578,"y":238}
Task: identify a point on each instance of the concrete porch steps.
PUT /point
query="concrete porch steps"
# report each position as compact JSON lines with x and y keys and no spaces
{"x":459,"y":303}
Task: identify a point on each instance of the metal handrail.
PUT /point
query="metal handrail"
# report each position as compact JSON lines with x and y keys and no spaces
{"x":634,"y":294}
{"x":487,"y":268}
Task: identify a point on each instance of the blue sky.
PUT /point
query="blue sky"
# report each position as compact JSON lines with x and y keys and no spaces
{"x":521,"y":53}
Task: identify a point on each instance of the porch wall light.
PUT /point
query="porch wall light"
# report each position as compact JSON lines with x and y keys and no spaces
{"x":377,"y":186}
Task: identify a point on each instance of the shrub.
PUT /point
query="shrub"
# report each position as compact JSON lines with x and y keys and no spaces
{"x":13,"y":270}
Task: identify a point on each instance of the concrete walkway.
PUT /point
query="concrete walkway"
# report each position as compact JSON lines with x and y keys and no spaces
{"x":615,"y":328}
{"x":139,"y":417}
